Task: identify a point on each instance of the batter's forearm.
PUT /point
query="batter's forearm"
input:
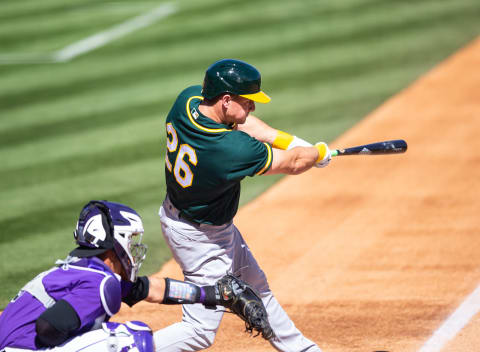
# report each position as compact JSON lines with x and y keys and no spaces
{"x":304,"y":158}
{"x":297,"y":160}
{"x":292,"y":162}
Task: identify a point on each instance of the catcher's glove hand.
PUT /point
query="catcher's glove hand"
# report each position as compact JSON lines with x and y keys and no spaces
{"x":245,"y":302}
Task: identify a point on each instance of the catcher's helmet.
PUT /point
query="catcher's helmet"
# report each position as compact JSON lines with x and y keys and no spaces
{"x":235,"y":77}
{"x":106,"y":225}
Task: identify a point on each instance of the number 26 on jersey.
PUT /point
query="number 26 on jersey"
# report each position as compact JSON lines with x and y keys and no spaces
{"x":181,"y":169}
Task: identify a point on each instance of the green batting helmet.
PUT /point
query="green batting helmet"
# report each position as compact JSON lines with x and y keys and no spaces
{"x":235,"y":77}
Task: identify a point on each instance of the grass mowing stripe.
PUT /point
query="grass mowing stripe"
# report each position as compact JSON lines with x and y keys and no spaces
{"x":133,"y":44}
{"x":92,"y":41}
{"x":89,"y":141}
{"x":60,"y":216}
{"x":387,"y":32}
{"x":173,"y":36}
{"x":34,"y":9}
{"x":336,"y":33}
{"x":65,"y":213}
{"x":228,"y":23}
{"x":56,"y":90}
{"x":80,"y":19}
{"x":324,"y":34}
{"x":55,"y":30}
{"x":100,"y":39}
{"x":82,"y":164}
{"x":100,"y":184}
{"x":52,"y":34}
{"x":16,"y":136}
{"x":360,"y":66}
{"x":266,"y":29}
{"x":99,"y":101}
{"x":287,"y":23}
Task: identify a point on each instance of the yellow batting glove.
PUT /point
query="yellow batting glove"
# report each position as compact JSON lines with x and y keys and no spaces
{"x":324,"y":154}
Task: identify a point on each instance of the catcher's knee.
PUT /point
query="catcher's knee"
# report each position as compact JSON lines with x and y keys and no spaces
{"x":131,"y":335}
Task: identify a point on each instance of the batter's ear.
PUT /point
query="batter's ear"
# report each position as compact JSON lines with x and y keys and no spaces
{"x":226,"y":100}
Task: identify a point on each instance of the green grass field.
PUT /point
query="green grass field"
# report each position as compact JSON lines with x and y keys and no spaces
{"x":93,"y":127}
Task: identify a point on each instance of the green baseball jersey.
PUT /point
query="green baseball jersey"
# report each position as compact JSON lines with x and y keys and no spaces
{"x":205,"y":161}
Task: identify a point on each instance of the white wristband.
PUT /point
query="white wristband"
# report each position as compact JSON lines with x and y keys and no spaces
{"x":298,"y":142}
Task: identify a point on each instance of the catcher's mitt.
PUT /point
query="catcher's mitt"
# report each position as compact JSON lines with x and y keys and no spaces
{"x":245,"y":302}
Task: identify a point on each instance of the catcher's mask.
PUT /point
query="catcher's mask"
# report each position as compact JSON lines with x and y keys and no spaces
{"x":234,"y":77}
{"x":104,"y":225}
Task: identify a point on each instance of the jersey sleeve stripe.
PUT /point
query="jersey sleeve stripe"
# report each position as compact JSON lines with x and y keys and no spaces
{"x":103,"y":298}
{"x":269,"y":160}
{"x":196,"y":124}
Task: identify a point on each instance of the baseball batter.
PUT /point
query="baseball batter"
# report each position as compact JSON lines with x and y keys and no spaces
{"x":67,"y":308}
{"x":213,"y":142}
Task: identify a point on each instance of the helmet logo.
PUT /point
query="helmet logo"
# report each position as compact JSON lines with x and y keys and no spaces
{"x":95,"y":228}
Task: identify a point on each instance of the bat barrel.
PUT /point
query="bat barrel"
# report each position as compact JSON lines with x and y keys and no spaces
{"x":387,"y":147}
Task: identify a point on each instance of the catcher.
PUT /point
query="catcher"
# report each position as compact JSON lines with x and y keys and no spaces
{"x":68,"y":307}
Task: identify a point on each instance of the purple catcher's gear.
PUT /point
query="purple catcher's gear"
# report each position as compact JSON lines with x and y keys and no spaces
{"x":141,"y":333}
{"x":104,"y":225}
{"x":87,"y":285}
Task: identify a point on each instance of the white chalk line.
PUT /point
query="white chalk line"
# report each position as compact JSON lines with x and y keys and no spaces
{"x":455,"y":322}
{"x":93,"y":42}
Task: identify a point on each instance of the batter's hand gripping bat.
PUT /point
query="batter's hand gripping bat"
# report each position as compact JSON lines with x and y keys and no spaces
{"x":387,"y":147}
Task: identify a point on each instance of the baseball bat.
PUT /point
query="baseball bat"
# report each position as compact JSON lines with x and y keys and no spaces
{"x":387,"y":147}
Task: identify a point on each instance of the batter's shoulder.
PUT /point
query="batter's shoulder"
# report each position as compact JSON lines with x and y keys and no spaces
{"x":189,"y":92}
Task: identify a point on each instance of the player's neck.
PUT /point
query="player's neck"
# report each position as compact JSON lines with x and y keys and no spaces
{"x":110,"y":260}
{"x":213,"y":112}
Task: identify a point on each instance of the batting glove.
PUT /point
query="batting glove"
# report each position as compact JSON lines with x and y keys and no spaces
{"x":324,"y":154}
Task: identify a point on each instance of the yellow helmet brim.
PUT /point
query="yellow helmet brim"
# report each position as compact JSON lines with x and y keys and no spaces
{"x":259,"y":97}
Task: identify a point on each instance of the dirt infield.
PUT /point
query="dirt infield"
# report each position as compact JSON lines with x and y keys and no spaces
{"x":374,"y":253}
